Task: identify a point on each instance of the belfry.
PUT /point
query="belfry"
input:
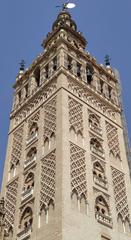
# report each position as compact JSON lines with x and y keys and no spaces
{"x":66,"y":172}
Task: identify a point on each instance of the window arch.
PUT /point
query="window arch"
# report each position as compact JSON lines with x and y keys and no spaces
{"x":89,"y":73}
{"x":31,"y":155}
{"x":99,"y":174}
{"x":37,"y":76}
{"x":26,"y":219}
{"x":96,"y":146}
{"x":33,"y":129}
{"x":93,"y":120}
{"x":101,"y":206}
{"x":29,"y":182}
{"x":13,"y":169}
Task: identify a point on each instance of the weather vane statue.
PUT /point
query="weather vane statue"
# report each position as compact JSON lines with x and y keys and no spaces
{"x":67,"y":5}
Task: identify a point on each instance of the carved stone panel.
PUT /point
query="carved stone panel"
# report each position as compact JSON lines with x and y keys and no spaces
{"x":10,"y":203}
{"x":113,"y":141}
{"x":120,"y":193}
{"x":78,"y":170}
{"x":50,"y":118}
{"x":17,"y":146}
{"x":75,"y":115}
{"x":48,"y":173}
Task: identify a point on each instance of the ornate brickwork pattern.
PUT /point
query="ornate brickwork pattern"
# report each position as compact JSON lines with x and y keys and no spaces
{"x":78,"y":170}
{"x":50,"y":118}
{"x":83,"y":93}
{"x":113,"y":141}
{"x":10,"y":203}
{"x":120,"y":193}
{"x":34,"y":102}
{"x":75,"y":115}
{"x":48,"y":172}
{"x":17,"y":146}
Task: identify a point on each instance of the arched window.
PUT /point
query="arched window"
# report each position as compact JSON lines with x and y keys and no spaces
{"x":29,"y":182}
{"x":13,"y":169}
{"x":69,"y":63}
{"x":102,"y":213}
{"x":55,"y":63}
{"x":96,"y":147}
{"x":37,"y":76}
{"x":89,"y":73}
{"x":31,"y":155}
{"x":26,"y":219}
{"x":94,"y":123}
{"x":99,"y":174}
{"x":78,"y":70}
{"x":33,"y":129}
{"x":101,"y":206}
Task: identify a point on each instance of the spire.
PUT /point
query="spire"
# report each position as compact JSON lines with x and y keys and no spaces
{"x":65,"y":22}
{"x":64,"y":19}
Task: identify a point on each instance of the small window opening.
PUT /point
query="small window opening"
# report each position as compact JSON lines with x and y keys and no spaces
{"x":26,"y":91}
{"x":89,"y":73}
{"x":55,"y":64}
{"x":78,"y":70}
{"x":19,"y":96}
{"x":110,"y":89}
{"x":101,"y":84}
{"x":69,"y":63}
{"x":47,"y":71}
{"x":37,"y":76}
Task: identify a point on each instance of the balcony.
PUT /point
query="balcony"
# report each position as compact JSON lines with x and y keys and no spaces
{"x":24,"y":234}
{"x":32,"y":138}
{"x":96,"y":129}
{"x":100,"y":181}
{"x":29,"y":161}
{"x":97,"y":151}
{"x":26,"y":194}
{"x":104,"y":219}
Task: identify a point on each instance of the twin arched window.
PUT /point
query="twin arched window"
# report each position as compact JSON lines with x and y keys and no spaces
{"x":26,"y":219}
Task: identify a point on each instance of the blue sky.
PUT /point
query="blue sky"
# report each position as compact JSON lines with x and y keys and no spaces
{"x":24,"y":24}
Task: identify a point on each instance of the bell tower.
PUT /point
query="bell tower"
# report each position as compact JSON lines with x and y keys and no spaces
{"x":66,"y":172}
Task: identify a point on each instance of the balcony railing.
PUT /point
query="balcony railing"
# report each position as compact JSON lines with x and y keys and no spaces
{"x":97,"y":151}
{"x":100,"y":181}
{"x":104,"y":219}
{"x":24,"y":234}
{"x":29,"y":161}
{"x":26,"y":194}
{"x":32,"y":138}
{"x":96,"y":129}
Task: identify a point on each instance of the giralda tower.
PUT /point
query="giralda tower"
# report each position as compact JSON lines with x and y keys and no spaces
{"x":66,"y":172}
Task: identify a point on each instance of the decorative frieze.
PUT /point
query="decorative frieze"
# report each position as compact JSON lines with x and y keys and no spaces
{"x":81,"y":91}
{"x":17,"y":146}
{"x":48,"y":173}
{"x":75,"y":115}
{"x":35,"y":101}
{"x":50,"y":119}
{"x":10,"y":203}
{"x":78,"y":170}
{"x":120,"y":193}
{"x":113,"y":141}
